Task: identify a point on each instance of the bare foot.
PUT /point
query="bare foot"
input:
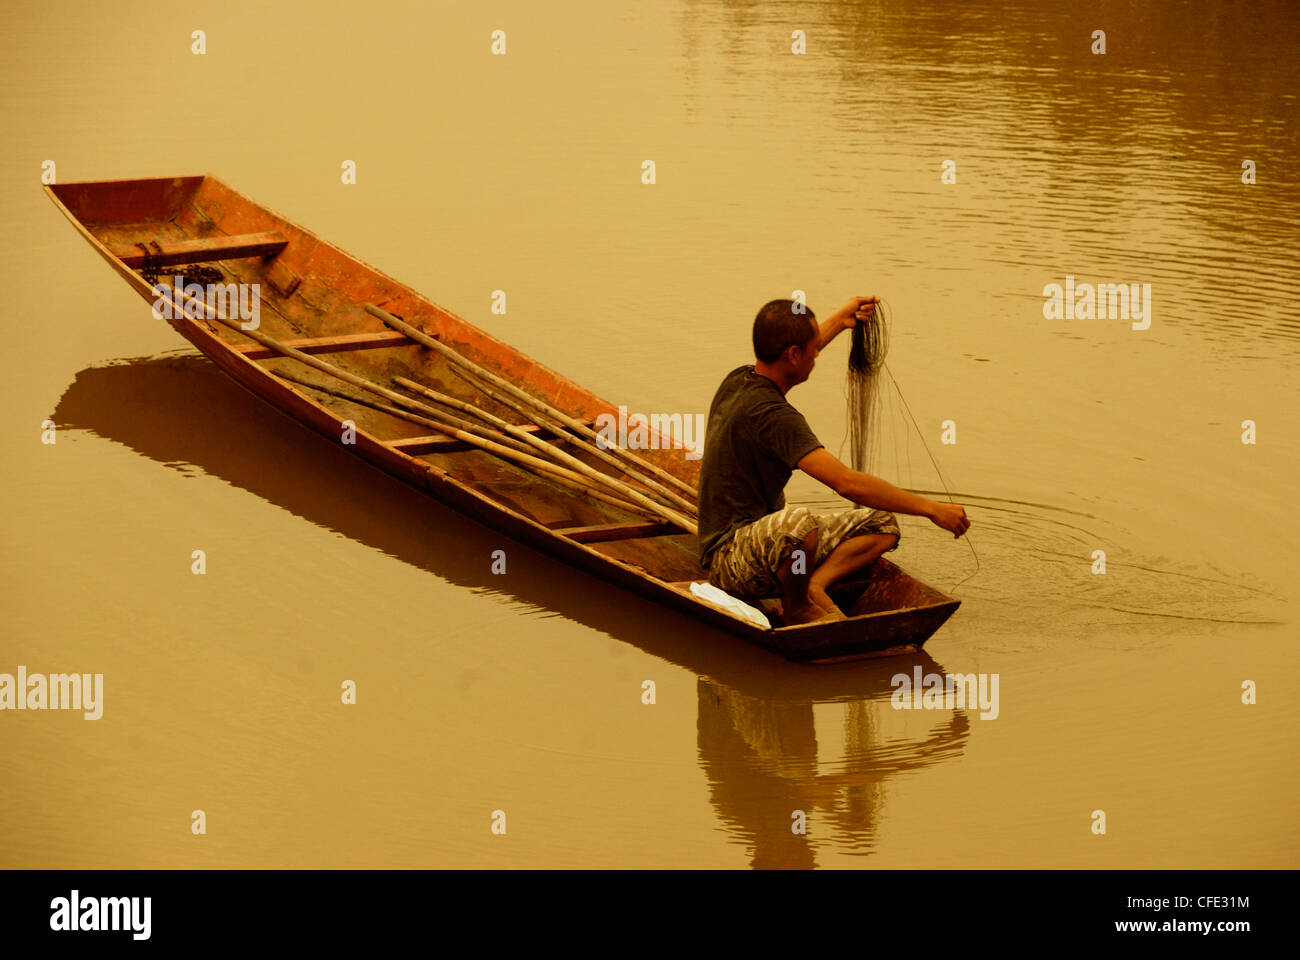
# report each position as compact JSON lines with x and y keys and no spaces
{"x":825,"y":603}
{"x":815,"y":614}
{"x":810,"y":613}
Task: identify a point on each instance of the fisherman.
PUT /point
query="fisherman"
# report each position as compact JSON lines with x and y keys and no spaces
{"x":751,"y":543}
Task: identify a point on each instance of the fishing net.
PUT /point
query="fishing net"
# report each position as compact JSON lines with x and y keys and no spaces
{"x":869,"y":342}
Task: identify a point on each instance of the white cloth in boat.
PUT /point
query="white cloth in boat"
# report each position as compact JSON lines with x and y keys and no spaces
{"x":718,"y":598}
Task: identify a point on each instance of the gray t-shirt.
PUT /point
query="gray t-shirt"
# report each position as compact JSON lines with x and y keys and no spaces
{"x":752,"y":443}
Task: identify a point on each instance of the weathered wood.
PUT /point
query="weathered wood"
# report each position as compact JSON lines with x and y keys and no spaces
{"x":169,"y":253}
{"x":589,"y":490}
{"x":445,"y":444}
{"x":418,"y":445}
{"x":350,"y":341}
{"x":892,"y":612}
{"x":281,"y":279}
{"x":616,"y":486}
{"x":567,"y":477}
{"x":599,"y":452}
{"x":602,"y":532}
{"x":438,"y":444}
{"x":416,"y":333}
{"x":436,"y":419}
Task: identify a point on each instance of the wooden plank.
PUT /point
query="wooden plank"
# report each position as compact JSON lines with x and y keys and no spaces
{"x":350,"y":341}
{"x":167,"y":253}
{"x":601,"y":532}
{"x":444,"y":444}
{"x":126,"y":201}
{"x":438,"y":443}
{"x":282,"y":280}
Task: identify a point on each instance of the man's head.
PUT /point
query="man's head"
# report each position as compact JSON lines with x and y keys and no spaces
{"x":785,"y":342}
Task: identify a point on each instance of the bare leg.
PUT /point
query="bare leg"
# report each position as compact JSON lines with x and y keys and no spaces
{"x":848,"y":558}
{"x":796,"y":607}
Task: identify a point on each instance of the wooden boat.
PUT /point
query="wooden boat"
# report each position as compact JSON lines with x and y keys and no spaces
{"x":313,"y":298}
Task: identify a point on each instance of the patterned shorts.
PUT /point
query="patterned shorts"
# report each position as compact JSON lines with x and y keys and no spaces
{"x":747,"y":564}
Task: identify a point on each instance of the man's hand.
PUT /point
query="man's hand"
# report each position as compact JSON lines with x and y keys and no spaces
{"x":951,"y":517}
{"x":869,"y":491}
{"x":858,"y":310}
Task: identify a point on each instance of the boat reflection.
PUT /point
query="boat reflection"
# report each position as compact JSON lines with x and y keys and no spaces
{"x":768,"y":753}
{"x":773,"y":737}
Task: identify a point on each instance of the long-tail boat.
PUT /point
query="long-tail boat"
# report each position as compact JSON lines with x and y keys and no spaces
{"x":442,"y":405}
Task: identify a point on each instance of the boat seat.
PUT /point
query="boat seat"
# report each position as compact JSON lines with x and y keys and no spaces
{"x":167,"y":253}
{"x":347,"y":342}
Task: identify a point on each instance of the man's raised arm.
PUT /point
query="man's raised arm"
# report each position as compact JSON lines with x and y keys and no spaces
{"x":871,"y":491}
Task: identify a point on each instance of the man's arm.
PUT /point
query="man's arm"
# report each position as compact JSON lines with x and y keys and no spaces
{"x":857,"y":310}
{"x":874,"y":492}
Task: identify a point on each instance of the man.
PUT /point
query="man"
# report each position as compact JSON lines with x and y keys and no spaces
{"x":751,"y":543}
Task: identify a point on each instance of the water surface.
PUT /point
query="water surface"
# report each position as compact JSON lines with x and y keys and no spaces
{"x":522,"y":692}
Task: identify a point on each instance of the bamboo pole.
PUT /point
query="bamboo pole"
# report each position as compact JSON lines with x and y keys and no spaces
{"x":415,"y":333}
{"x":589,"y":490}
{"x":358,"y":381}
{"x":551,"y":449}
{"x":536,"y":417}
{"x":443,"y":418}
{"x":550,"y":472}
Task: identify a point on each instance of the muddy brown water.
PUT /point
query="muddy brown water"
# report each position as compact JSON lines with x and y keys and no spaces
{"x":522,"y":692}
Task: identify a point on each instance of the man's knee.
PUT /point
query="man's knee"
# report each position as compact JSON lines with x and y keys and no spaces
{"x":879,"y":543}
{"x":799,"y":556}
{"x":858,"y":551}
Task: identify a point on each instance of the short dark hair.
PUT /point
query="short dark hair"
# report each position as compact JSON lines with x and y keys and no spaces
{"x":779,"y":326}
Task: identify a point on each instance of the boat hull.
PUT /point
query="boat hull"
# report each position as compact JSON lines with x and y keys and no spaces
{"x":317,"y":290}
